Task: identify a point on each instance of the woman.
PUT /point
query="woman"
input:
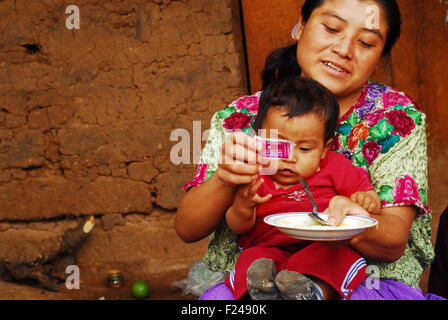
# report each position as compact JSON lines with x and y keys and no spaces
{"x":380,"y":130}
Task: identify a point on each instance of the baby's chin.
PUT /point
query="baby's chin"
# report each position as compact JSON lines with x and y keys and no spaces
{"x":285,"y":179}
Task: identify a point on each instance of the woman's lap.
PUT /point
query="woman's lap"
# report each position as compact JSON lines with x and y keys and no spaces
{"x":218,"y":292}
{"x":384,"y":290}
{"x":390,"y":290}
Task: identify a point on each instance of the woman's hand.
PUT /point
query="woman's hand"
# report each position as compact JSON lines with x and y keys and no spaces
{"x":241,"y":216}
{"x":340,"y":206}
{"x":240,"y":162}
{"x":203,"y":208}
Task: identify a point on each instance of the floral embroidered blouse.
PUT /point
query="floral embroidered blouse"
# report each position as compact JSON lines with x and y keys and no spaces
{"x":384,"y":134}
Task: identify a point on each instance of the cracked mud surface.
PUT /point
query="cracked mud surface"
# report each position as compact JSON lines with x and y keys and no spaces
{"x":142,"y":247}
{"x":86,"y":115}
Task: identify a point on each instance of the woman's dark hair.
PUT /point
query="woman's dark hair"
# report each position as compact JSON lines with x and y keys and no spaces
{"x":283,"y":62}
{"x":300,"y":96}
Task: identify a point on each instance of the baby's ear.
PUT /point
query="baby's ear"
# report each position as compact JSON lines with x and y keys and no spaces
{"x":326,"y":148}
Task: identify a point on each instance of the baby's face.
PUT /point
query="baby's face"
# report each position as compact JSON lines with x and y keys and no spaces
{"x":307,"y":132}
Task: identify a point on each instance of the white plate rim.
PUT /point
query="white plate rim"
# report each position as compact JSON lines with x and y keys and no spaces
{"x":373,"y":222}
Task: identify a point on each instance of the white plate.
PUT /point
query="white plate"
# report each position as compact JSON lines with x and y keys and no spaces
{"x":300,"y":225}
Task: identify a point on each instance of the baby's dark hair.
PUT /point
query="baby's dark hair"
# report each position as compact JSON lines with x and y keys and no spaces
{"x":300,"y":96}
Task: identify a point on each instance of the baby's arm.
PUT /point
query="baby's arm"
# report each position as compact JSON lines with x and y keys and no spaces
{"x":241,"y":216}
{"x":369,"y":200}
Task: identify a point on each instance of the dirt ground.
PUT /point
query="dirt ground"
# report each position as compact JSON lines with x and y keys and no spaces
{"x":160,"y":289}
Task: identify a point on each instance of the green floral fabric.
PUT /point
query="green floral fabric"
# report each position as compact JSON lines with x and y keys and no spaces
{"x":385,"y":134}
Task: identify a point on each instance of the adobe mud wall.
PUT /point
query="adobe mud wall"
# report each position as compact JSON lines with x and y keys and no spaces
{"x":86,"y":114}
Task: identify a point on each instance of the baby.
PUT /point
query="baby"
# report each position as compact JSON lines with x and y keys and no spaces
{"x":273,"y":265}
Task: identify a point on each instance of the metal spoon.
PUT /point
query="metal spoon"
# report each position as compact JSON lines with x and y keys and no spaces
{"x":313,"y":214}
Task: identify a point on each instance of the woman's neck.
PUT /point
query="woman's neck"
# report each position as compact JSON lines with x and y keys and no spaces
{"x":346,"y":102}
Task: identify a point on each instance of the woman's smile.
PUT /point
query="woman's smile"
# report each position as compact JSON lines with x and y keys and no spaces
{"x":335,"y":69}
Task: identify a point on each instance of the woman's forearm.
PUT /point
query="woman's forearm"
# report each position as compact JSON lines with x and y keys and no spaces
{"x":203,"y":208}
{"x":388,"y":241}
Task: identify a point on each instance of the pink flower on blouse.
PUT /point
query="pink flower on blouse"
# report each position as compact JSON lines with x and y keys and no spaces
{"x":201,"y":173}
{"x":403,"y":124}
{"x":374,"y":117}
{"x":248,"y":102}
{"x":336,"y":145}
{"x":406,"y":191}
{"x":371,"y":149}
{"x":392,"y":98}
{"x":237,"y":121}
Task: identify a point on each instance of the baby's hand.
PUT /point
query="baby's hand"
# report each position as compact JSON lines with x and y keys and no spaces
{"x":241,"y":216}
{"x":369,"y":200}
{"x":247,"y":196}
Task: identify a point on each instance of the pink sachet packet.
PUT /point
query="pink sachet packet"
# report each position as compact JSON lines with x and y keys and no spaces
{"x":275,"y":148}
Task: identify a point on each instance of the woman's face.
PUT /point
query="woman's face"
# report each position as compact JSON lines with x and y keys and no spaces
{"x":341,"y":44}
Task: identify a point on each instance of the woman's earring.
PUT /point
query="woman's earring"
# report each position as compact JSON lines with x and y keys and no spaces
{"x":293,"y":32}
